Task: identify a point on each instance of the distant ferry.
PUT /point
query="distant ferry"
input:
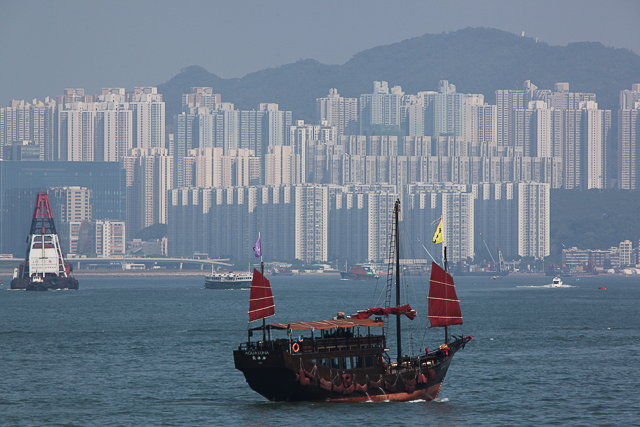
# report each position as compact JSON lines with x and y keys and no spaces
{"x":282,"y":271}
{"x":360,"y":272}
{"x":228,"y":280}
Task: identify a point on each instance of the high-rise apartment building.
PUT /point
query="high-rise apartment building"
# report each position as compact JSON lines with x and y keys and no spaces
{"x":201,"y":97}
{"x":279,"y":166}
{"x":311,"y":222}
{"x":148,"y":117}
{"x":106,"y":128}
{"x":149,"y":177}
{"x":208,"y":167}
{"x":110,"y":238}
{"x":380,"y":110}
{"x":30,"y":124}
{"x":300,"y":136}
{"x":533,"y":207}
{"x":480,"y":123}
{"x":625,"y":253}
{"x":339,"y":112}
{"x":184,"y":141}
{"x":225,"y":222}
{"x":444,"y":111}
{"x":628,"y":138}
{"x":72,"y":203}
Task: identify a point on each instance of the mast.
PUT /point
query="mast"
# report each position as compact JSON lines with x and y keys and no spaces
{"x":396,"y":210}
{"x":446,"y":270}
{"x":259,"y":246}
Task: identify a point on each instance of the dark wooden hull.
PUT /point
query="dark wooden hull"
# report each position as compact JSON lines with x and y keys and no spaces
{"x":276,"y":375}
{"x":53,"y":283}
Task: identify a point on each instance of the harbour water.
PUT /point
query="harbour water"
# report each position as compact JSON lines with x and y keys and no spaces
{"x":127,"y":351}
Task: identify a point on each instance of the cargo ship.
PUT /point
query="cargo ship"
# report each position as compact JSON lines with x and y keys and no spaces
{"x":360,"y":272}
{"x":44,"y":266}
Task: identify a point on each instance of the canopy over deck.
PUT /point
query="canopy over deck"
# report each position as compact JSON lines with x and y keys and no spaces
{"x":324,"y":324}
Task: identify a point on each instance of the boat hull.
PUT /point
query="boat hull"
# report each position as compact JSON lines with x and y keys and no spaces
{"x":214,"y":284}
{"x":355,"y":276}
{"x":276,"y":376}
{"x":49,"y":283}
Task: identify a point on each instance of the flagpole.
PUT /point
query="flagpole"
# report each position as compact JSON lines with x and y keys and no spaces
{"x":423,"y":247}
{"x":261,"y":263}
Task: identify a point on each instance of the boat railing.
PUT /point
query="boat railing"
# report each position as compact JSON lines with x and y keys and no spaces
{"x":341,"y":343}
{"x":317,"y":345}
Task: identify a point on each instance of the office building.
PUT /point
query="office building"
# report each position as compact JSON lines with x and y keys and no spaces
{"x":20,"y":181}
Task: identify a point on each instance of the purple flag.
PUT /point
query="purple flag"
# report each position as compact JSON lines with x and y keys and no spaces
{"x":257,"y":248}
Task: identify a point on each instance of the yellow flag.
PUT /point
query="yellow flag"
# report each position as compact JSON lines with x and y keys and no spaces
{"x":437,"y":236}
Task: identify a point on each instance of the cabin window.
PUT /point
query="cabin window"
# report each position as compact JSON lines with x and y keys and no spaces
{"x":346,"y":363}
{"x":335,"y":363}
{"x":359,"y":362}
{"x":323,"y":362}
{"x":368,"y":361}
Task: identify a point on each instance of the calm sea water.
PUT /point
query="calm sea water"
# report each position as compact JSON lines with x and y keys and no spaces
{"x":158,"y":352}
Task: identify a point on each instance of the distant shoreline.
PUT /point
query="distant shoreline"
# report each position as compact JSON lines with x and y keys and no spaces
{"x":152,"y":273}
{"x":8,"y":273}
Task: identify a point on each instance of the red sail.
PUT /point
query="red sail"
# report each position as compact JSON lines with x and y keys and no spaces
{"x":261,"y":298}
{"x":444,"y":307}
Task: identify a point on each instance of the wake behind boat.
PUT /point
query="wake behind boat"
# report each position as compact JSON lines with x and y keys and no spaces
{"x":345,"y":358}
{"x":555,"y":283}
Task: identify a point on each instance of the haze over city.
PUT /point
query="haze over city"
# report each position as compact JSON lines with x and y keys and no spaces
{"x":50,"y":46}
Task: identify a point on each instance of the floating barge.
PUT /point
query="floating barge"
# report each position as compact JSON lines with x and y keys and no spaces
{"x":44,"y":266}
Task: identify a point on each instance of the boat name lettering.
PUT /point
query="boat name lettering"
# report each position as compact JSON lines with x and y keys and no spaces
{"x":256,"y":353}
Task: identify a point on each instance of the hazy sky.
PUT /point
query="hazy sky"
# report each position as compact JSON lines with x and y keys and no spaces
{"x":50,"y":45}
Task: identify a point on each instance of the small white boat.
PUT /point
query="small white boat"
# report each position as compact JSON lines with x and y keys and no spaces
{"x":556,"y":282}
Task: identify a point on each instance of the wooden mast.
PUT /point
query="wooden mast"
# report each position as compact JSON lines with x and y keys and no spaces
{"x":264,"y":326}
{"x":396,"y":210}
{"x":446,"y":268}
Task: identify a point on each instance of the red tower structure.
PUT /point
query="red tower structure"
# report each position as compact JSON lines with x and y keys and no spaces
{"x":44,"y":266}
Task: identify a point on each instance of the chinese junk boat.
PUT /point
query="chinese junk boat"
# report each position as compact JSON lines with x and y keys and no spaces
{"x":345,"y":359}
{"x":44,"y":266}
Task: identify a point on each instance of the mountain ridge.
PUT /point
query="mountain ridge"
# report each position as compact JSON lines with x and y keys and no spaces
{"x":476,"y":60}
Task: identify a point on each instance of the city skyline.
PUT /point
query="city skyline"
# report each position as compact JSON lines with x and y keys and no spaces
{"x":387,"y":135}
